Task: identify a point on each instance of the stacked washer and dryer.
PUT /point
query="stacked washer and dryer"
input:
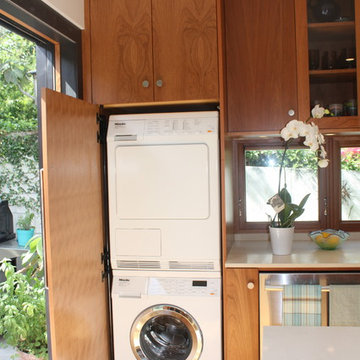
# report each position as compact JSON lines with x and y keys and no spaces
{"x":164,"y":226}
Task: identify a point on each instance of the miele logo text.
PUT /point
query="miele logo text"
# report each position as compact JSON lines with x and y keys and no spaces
{"x":121,"y":124}
{"x":124,"y":279}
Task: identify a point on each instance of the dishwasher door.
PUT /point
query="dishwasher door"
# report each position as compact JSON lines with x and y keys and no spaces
{"x":317,"y":301}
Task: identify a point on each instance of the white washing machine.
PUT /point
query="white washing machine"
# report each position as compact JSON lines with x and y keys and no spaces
{"x":165,"y":316}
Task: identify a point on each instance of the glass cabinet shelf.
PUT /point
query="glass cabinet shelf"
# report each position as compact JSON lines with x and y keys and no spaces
{"x":334,"y":75}
{"x":336,"y":31}
{"x":332,"y":56}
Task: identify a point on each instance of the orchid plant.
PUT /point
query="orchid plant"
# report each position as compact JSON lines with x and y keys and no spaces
{"x":285,"y":211}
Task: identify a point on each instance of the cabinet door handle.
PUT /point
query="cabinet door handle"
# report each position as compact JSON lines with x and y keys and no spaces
{"x":159,"y":83}
{"x":145,"y":83}
{"x":291,"y":112}
{"x":250,"y":285}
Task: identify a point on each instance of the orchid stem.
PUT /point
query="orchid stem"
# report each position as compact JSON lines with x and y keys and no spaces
{"x":282,"y":163}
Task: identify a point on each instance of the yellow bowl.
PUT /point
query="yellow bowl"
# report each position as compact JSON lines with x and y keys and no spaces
{"x":329,"y":239}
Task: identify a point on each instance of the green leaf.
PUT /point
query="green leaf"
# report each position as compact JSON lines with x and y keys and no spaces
{"x":285,"y":195}
{"x":303,"y":201}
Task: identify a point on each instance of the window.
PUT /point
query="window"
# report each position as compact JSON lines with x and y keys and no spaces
{"x":334,"y":200}
{"x":262,"y":181}
{"x":57,"y":35}
{"x":350,"y":183}
{"x":345,"y":183}
{"x":57,"y":58}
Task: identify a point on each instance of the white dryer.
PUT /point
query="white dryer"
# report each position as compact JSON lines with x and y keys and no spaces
{"x":163,"y":184}
{"x":166,"y":316}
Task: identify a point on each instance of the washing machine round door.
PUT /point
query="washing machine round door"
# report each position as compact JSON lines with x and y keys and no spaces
{"x":166,"y":332}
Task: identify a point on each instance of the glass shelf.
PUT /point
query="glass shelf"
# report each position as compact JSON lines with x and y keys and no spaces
{"x":332,"y":58}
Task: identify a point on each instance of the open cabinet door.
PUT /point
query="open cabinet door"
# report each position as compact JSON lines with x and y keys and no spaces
{"x":73,"y":219}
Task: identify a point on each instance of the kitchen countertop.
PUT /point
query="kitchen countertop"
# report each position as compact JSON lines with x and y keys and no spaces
{"x":305,"y":254}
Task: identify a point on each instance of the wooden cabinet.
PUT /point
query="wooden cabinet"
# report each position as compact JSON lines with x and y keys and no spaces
{"x":153,"y":50}
{"x":241,"y":314}
{"x":260,"y":64}
{"x":328,"y":61}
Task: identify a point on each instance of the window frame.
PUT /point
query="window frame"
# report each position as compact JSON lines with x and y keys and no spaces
{"x":335,"y":182}
{"x":39,"y":21}
{"x":239,"y":187}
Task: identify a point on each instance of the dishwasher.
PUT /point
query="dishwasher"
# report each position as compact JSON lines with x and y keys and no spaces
{"x":309,"y":315}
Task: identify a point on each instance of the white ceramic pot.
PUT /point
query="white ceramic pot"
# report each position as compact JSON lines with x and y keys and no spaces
{"x":281,"y":240}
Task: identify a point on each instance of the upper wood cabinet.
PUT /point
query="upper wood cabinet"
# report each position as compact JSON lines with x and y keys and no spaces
{"x":260,"y":64}
{"x":327,"y":38}
{"x":153,"y":50}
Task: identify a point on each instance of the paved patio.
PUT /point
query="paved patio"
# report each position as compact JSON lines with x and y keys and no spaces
{"x":6,"y":351}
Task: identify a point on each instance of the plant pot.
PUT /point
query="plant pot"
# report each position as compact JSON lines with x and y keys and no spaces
{"x":281,"y":240}
{"x":23,"y":236}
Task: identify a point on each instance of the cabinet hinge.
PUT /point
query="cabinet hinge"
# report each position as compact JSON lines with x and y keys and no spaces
{"x":105,"y":260}
{"x":101,"y":133}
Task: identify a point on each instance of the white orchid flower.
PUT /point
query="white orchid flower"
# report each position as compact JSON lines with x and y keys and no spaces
{"x":311,"y":142}
{"x":321,"y":138}
{"x":315,"y":129}
{"x":318,"y":112}
{"x":322,"y":152}
{"x":285,"y":134}
{"x":323,"y":163}
{"x":305,"y":130}
{"x":291,"y":130}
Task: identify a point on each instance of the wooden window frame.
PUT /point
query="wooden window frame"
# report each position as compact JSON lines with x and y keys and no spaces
{"x":335,"y":183}
{"x":43,"y":23}
{"x":240,"y":187}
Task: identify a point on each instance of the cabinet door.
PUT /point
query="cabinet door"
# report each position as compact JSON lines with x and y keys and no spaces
{"x":241,"y":314}
{"x":185,"y":50}
{"x":260,"y":64}
{"x":121,"y":51}
{"x":328,"y":66}
{"x":72,"y":191}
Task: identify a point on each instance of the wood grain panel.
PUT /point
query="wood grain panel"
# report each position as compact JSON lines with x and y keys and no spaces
{"x":78,"y":308}
{"x":261,"y":64}
{"x":241,"y":314}
{"x":121,"y":51}
{"x":302,"y":60}
{"x":357,"y":37}
{"x":185,"y":49}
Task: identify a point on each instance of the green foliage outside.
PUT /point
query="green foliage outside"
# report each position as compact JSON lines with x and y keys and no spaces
{"x":350,"y":159}
{"x":295,"y":158}
{"x":300,"y":158}
{"x":22,"y":298}
{"x":25,"y":222}
{"x":19,"y":153}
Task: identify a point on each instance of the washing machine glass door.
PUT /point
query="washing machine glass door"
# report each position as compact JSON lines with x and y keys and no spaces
{"x":166,"y":332}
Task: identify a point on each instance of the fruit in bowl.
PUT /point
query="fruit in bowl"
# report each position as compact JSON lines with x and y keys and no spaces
{"x":329,"y":239}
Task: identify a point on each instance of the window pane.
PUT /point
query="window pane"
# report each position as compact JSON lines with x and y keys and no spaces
{"x":262,"y":179}
{"x":350,"y":183}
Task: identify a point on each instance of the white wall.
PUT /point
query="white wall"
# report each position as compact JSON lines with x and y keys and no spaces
{"x":72,"y":10}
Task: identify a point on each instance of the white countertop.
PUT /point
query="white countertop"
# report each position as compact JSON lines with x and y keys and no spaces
{"x":322,"y":342}
{"x":305,"y":254}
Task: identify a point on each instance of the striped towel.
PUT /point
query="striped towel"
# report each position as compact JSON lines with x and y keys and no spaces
{"x":301,"y":305}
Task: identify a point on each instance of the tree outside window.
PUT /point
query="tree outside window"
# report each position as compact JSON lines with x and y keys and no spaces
{"x":19,"y":152}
